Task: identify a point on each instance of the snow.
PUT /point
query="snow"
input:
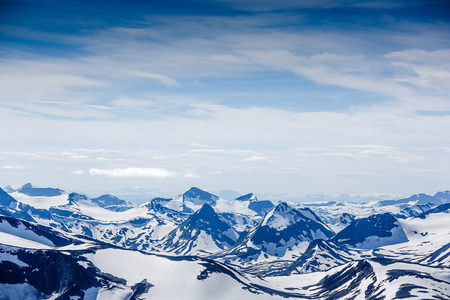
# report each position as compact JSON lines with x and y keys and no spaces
{"x":13,"y":240}
{"x":41,"y":202}
{"x":22,"y":291}
{"x":22,"y":237}
{"x":171,"y":279}
{"x":12,"y":258}
{"x":276,"y":221}
{"x":371,"y":242}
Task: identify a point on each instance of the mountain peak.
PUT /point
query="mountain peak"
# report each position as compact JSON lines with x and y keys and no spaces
{"x":372,"y":232}
{"x":247,"y":197}
{"x":75,"y":197}
{"x":199,"y":197}
{"x":206,"y":210}
{"x":5,"y":198}
{"x":283,"y":207}
{"x":282,"y":216}
{"x":27,"y":186}
{"x":202,"y":233}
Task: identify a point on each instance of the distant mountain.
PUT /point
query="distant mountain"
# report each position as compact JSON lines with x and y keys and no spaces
{"x":414,"y":210}
{"x":9,"y":189}
{"x":346,"y":219}
{"x":417,"y":199}
{"x":199,"y":197}
{"x":443,"y":208}
{"x":247,"y":197}
{"x":372,"y":232}
{"x":191,"y":200}
{"x":112,"y":203}
{"x":29,"y":190}
{"x":282,"y":230}
{"x":202,"y":233}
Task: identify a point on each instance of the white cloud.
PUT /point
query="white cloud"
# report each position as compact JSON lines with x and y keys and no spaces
{"x":189,"y":174}
{"x":427,"y":68}
{"x":74,"y":156}
{"x":78,"y":172}
{"x":257,"y":159}
{"x":132,"y":172}
{"x":222,"y":151}
{"x":12,"y":167}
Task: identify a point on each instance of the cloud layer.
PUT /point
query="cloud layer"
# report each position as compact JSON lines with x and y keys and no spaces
{"x":323,"y":97}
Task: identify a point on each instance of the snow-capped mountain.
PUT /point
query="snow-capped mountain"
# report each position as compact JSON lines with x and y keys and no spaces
{"x":247,"y":197}
{"x":113,"y":203}
{"x":436,"y":199}
{"x":202,"y":233}
{"x":283,"y":233}
{"x":372,"y":232}
{"x":192,"y":200}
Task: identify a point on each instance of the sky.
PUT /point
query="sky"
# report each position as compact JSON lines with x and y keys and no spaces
{"x":314,"y":97}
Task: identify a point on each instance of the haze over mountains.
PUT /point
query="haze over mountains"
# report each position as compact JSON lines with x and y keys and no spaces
{"x":204,"y":246}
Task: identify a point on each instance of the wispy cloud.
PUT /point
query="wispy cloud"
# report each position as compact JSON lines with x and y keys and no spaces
{"x":8,"y":167}
{"x":77,"y":172}
{"x":163,"y":79}
{"x":256,"y":159}
{"x":133,"y":172}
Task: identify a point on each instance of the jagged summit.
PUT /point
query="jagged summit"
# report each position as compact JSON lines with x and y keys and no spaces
{"x":74,"y":198}
{"x":247,"y":197}
{"x":283,"y":230}
{"x":283,"y":215}
{"x":203,"y":232}
{"x":199,"y":197}
{"x":205,"y":211}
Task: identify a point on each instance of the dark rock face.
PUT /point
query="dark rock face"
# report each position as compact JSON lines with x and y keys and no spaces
{"x":261,"y":207}
{"x":6,"y":199}
{"x":380,"y":226}
{"x":50,"y":272}
{"x":438,"y":209}
{"x":351,"y":277}
{"x":140,"y":288}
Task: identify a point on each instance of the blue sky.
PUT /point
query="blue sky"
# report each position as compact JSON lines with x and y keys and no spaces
{"x":328,"y":96}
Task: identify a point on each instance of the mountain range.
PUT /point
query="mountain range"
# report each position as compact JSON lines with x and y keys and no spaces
{"x":197,"y":245}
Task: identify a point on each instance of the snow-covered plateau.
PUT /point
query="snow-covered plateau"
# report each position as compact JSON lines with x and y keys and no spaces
{"x":60,"y":245}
